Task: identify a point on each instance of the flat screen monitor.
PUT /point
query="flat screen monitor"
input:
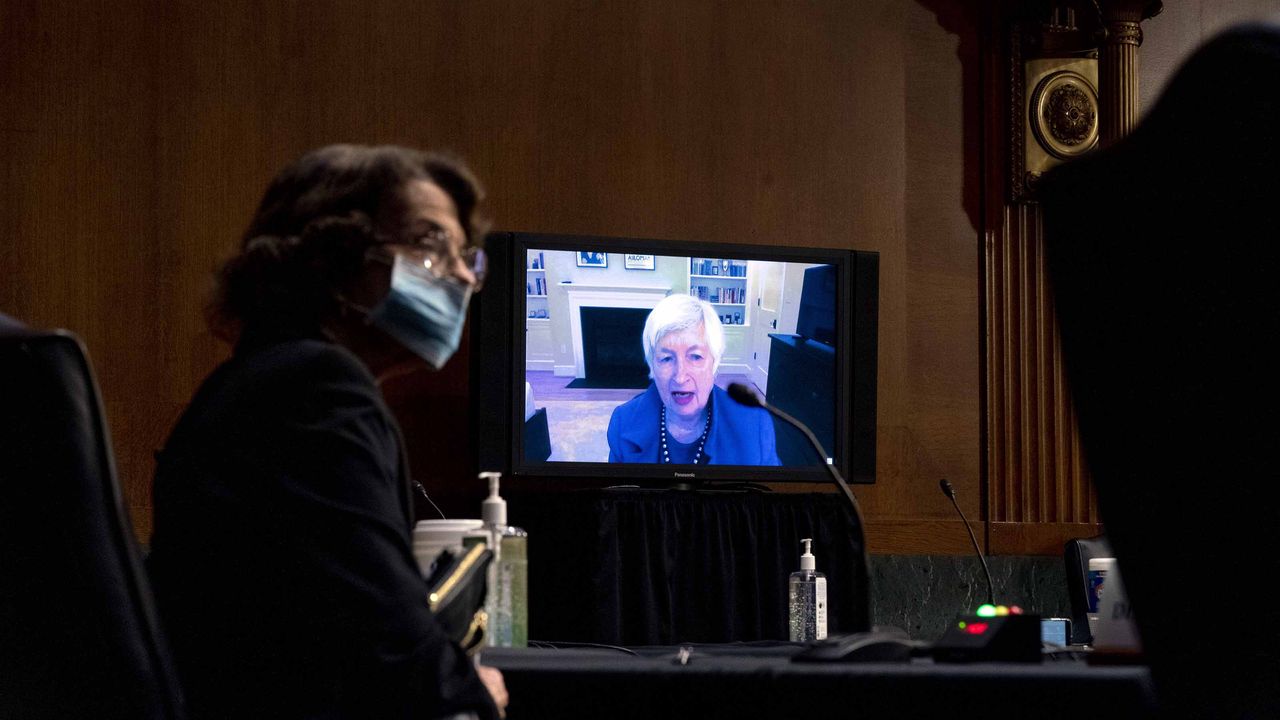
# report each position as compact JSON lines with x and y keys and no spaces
{"x":566,"y":386}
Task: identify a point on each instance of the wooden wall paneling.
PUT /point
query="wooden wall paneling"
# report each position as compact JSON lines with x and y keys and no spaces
{"x":1036,"y":538}
{"x":77,"y":215}
{"x":157,"y":125}
{"x":929,"y":405}
{"x":943,"y":258}
{"x":915,"y":536}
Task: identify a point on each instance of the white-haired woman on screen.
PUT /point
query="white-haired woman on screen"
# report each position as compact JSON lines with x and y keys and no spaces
{"x":683,"y":418}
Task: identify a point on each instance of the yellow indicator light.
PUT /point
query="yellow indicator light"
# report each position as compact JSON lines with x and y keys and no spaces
{"x":1001,"y":611}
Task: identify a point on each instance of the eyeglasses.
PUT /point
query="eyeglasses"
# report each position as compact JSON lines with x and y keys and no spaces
{"x":438,"y":254}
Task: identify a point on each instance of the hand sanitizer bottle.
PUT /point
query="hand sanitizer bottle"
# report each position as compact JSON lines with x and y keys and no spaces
{"x":507,"y":598}
{"x":808,"y":599}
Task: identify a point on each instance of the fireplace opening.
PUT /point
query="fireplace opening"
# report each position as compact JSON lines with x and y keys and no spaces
{"x":612,"y":352}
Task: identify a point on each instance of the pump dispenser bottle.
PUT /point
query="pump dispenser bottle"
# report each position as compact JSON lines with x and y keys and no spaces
{"x":807,"y":599}
{"x":507,"y":599}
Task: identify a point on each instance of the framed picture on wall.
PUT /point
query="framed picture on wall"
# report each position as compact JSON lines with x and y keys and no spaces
{"x":587,"y":258}
{"x":631,"y":261}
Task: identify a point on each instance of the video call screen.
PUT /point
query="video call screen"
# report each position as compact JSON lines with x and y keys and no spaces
{"x":592,"y":395}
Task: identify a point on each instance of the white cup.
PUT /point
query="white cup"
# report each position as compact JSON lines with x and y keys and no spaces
{"x":431,"y":537}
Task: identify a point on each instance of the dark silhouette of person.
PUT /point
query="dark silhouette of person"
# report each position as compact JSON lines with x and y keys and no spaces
{"x":1163,"y":255}
{"x":281,"y":556}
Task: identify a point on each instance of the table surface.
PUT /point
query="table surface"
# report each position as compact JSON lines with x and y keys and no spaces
{"x":760,"y":680}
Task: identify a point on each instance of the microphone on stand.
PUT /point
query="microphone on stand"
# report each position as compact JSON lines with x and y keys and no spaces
{"x":746,"y":395}
{"x":749,"y":397}
{"x":1001,"y":634}
{"x":951,"y":493}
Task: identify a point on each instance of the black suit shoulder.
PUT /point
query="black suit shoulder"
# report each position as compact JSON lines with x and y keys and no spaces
{"x":281,"y":555}
{"x":275,"y":393}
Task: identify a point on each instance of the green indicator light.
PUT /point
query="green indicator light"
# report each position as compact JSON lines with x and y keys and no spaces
{"x":962,"y":624}
{"x":986,"y":611}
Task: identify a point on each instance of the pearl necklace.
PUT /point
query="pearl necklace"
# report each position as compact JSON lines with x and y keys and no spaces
{"x":662,"y":435}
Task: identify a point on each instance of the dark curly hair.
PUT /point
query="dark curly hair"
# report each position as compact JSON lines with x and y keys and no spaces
{"x":313,"y":226}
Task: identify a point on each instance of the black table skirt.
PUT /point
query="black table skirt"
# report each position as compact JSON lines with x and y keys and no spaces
{"x":654,"y":567}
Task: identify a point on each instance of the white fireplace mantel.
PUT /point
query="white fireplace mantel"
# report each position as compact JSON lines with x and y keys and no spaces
{"x":625,"y":296}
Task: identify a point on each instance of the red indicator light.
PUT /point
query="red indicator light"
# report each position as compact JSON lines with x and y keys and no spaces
{"x":976,"y":628}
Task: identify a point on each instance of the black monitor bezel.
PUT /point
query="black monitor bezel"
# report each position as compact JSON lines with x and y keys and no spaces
{"x":500,"y":315}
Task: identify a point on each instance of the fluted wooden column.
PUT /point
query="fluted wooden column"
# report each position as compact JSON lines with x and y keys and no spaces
{"x":1038,"y":489}
{"x":1118,"y":65}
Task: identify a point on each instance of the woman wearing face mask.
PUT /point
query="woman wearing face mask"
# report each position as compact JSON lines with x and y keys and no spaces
{"x":683,"y":417}
{"x":281,"y":556}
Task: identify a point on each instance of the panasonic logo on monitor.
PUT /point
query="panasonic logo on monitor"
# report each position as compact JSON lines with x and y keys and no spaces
{"x":689,"y":475}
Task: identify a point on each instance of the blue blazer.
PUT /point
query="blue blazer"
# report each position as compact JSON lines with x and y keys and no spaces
{"x":740,"y":435}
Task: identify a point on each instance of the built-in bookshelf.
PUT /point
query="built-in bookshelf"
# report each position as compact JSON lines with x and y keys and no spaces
{"x":723,"y":283}
{"x":536,"y":286}
{"x":538,"y":355}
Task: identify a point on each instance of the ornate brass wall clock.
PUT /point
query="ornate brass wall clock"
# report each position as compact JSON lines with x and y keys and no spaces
{"x":1054,"y":97}
{"x":1063,"y":109}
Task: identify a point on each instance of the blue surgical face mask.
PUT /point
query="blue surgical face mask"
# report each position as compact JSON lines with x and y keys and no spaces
{"x":425,"y":313}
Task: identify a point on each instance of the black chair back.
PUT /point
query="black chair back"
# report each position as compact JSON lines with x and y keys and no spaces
{"x":79,"y":636}
{"x":537,"y":437}
{"x":1076,"y":554}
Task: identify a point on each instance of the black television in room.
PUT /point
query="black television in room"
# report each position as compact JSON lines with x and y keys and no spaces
{"x":556,"y":348}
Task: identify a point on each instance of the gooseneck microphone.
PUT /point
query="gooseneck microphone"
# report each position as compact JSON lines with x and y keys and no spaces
{"x":951,"y":493}
{"x":746,"y":395}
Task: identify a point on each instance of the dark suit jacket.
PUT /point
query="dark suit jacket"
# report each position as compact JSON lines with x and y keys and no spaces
{"x":739,"y":435}
{"x":281,"y":557}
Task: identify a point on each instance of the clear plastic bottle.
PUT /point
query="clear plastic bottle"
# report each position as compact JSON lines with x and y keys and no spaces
{"x":513,"y":582}
{"x":807,"y":599}
{"x":507,"y":599}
